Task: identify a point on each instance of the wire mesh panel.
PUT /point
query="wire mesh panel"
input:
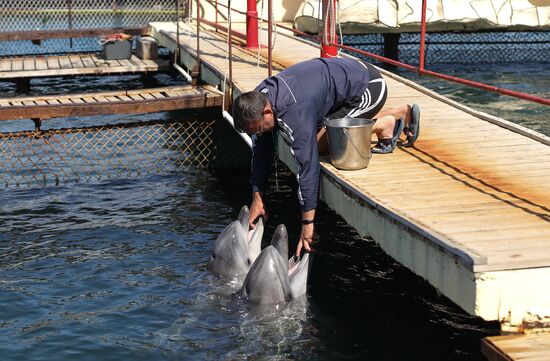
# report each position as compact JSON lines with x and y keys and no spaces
{"x":89,"y":154}
{"x":463,"y":48}
{"x":32,"y":15}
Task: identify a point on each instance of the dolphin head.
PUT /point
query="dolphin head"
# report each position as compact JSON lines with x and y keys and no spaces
{"x":235,"y":248}
{"x":280,"y":241}
{"x":267,"y":280}
{"x":273,"y":278}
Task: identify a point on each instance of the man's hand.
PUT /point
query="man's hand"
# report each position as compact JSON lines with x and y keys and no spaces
{"x":306,"y":239}
{"x":257,"y":209}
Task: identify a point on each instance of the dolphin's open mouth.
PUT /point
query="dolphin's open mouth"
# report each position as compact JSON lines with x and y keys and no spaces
{"x":294,"y":264}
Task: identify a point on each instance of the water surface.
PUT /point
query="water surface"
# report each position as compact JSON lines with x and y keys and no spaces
{"x":116,"y":270}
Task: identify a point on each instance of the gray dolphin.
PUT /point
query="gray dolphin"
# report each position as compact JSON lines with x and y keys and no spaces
{"x":236,"y":248}
{"x":273,"y":278}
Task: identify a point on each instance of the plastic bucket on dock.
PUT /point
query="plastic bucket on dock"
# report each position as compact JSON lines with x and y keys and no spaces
{"x":349,"y":142}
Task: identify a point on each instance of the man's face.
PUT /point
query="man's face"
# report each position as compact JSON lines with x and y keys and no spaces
{"x":265,"y":124}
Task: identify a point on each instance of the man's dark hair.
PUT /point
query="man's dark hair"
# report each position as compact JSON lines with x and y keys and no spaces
{"x":248,"y":108}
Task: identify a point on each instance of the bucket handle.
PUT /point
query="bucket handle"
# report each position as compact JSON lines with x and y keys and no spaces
{"x":353,"y":145}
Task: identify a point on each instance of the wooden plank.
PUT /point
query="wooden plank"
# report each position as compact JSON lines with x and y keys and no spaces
{"x":76,"y":65}
{"x":135,"y":97}
{"x":124,"y":98}
{"x":65,"y":62}
{"x":65,"y":101}
{"x":517,"y":347}
{"x":126,"y":63}
{"x":184,"y":88}
{"x":124,"y":106}
{"x":53,"y":63}
{"x":147,"y":96}
{"x":5,"y":65}
{"x":41,"y":63}
{"x":157,"y":95}
{"x":99,"y":98}
{"x":140,"y":62}
{"x":87,"y":61}
{"x":97,"y":61}
{"x":76,"y":62}
{"x":29,"y":64}
{"x":16,"y":65}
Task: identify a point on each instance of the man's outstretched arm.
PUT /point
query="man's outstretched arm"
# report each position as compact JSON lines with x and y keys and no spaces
{"x":262,"y":156}
{"x":307,"y":234}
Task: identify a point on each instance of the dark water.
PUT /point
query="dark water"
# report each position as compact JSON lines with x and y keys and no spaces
{"x":116,"y":269}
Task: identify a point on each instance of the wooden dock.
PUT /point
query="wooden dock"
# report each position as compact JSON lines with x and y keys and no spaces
{"x":75,"y":64}
{"x":468,"y":208}
{"x":532,"y":347}
{"x":116,"y":102}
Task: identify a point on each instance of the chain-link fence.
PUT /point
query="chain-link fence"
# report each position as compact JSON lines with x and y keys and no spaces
{"x":32,"y":15}
{"x":90,"y":154}
{"x":93,"y":153}
{"x":463,"y":48}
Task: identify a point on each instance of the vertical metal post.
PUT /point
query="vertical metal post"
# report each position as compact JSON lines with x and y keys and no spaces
{"x":329,"y":13}
{"x":177,"y":55}
{"x":70,"y":15}
{"x":422,"y":38}
{"x":269,"y":37}
{"x":230,"y":51}
{"x":198,"y":69}
{"x":251,"y":24}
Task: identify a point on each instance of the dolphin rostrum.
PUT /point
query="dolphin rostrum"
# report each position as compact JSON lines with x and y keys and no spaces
{"x":236,"y":248}
{"x":273,"y":278}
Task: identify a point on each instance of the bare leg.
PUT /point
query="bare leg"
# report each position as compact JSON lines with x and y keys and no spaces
{"x":383,"y":126}
{"x":385,"y":129}
{"x":385,"y":120}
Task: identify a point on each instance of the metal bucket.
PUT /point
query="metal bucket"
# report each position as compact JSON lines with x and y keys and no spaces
{"x":349,"y":142}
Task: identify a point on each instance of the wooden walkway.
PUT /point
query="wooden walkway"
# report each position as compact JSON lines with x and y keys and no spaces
{"x":468,"y":208}
{"x":117,"y":102}
{"x":74,"y":64}
{"x":533,"y":347}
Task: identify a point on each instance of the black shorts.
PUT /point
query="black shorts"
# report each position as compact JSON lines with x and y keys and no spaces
{"x":367,"y":105}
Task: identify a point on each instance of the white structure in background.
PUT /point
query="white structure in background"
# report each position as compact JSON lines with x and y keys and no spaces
{"x":383,"y":16}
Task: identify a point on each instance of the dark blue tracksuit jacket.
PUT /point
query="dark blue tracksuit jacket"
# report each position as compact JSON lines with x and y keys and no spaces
{"x":301,"y":96}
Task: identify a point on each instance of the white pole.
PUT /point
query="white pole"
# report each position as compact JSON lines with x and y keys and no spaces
{"x":229,"y":119}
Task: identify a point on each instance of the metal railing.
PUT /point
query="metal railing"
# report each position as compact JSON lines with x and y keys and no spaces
{"x":420,"y":69}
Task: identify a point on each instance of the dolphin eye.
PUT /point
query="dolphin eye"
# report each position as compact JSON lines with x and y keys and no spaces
{"x":248,"y":260}
{"x":213,"y":255}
